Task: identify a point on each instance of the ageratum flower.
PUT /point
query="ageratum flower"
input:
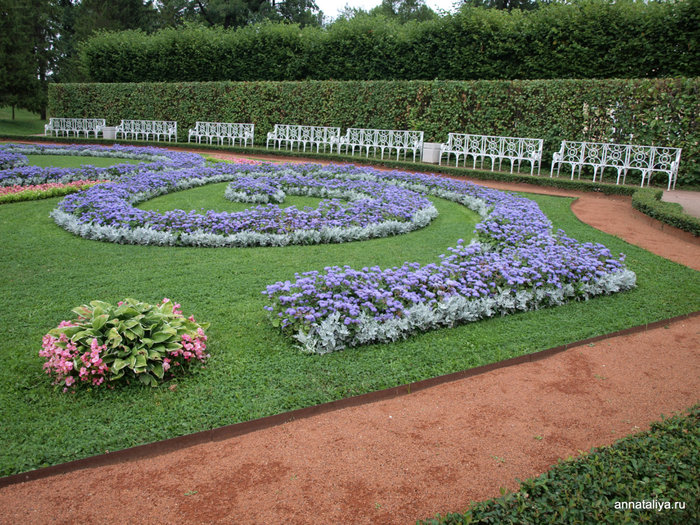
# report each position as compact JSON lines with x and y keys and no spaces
{"x":17,"y":173}
{"x":517,"y":263}
{"x":352,"y":209}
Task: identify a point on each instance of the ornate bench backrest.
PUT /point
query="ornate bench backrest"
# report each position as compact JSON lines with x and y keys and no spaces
{"x":531,"y":148}
{"x":640,"y":157}
{"x":666,"y":159}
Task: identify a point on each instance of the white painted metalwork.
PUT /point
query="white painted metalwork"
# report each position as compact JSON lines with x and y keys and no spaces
{"x":292,"y":135}
{"x":147,"y":129}
{"x":621,"y":157}
{"x":400,"y":141}
{"x":65,"y":126}
{"x":495,"y":148}
{"x":222,"y":133}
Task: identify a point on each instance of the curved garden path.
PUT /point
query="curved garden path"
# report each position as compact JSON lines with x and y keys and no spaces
{"x":410,"y":457}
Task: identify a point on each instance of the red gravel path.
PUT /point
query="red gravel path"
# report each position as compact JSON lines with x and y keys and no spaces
{"x":407,"y":458}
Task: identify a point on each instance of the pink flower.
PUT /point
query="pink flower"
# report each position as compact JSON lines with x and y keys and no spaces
{"x":70,"y":380}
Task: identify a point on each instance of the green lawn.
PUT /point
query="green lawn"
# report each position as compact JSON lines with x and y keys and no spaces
{"x":73,"y":161}
{"x":254,"y":371}
{"x":25,"y":122}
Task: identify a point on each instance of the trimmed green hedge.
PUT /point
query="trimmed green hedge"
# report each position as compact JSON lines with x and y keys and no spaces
{"x":649,"y":202}
{"x":588,"y":39}
{"x":657,"y":111}
{"x":662,"y":465}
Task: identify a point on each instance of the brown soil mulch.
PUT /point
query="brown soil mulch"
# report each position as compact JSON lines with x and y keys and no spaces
{"x":410,"y":457}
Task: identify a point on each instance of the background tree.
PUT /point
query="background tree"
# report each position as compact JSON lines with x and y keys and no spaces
{"x":504,"y":4}
{"x":28,"y":37}
{"x":302,"y":12}
{"x":114,"y":15}
{"x":404,"y":10}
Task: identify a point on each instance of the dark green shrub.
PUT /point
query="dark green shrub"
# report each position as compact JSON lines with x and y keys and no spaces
{"x":649,"y":202}
{"x":586,"y":39}
{"x":661,"y":465}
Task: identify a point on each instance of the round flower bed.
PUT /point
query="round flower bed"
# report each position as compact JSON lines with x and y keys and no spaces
{"x":375,"y":208}
{"x":130,"y":342}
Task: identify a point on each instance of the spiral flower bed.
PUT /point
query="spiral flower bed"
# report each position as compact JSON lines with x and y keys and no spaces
{"x":375,"y":208}
{"x":516,"y":264}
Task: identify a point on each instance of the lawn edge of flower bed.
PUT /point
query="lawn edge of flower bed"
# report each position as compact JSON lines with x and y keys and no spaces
{"x":166,"y":446}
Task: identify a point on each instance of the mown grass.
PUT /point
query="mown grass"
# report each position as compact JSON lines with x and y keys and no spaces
{"x":73,"y":161}
{"x":25,"y":122}
{"x":254,"y":371}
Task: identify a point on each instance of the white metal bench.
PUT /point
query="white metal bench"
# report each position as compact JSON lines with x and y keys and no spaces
{"x":147,"y":129}
{"x":222,"y":132}
{"x":401,"y":141}
{"x":65,"y":126}
{"x":292,"y":135}
{"x":621,"y":157}
{"x":479,"y":147}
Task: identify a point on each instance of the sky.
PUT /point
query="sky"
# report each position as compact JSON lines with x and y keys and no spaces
{"x":331,"y":8}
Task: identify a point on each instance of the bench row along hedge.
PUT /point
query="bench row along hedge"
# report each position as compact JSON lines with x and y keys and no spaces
{"x":589,"y":39}
{"x":639,"y":111}
{"x":646,"y":200}
{"x":652,"y":477}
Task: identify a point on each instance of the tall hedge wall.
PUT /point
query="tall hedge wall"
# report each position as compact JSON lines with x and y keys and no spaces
{"x":589,"y":39}
{"x":642,"y":111}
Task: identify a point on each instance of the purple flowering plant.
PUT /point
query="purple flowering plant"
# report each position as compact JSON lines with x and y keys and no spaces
{"x":516,"y":263}
{"x":14,"y":170}
{"x":353,"y":209}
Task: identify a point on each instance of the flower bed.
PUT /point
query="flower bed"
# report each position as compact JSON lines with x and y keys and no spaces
{"x":517,"y":264}
{"x":132,"y":341}
{"x":15,"y":172}
{"x":10,"y":159}
{"x":375,"y":209}
{"x":43,"y":191}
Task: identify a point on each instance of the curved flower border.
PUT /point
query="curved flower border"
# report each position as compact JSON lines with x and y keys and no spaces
{"x":15,"y":172}
{"x":376,"y":209}
{"x":516,"y":264}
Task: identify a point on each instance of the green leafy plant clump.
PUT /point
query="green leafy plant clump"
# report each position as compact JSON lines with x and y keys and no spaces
{"x":651,"y":477}
{"x":132,"y":341}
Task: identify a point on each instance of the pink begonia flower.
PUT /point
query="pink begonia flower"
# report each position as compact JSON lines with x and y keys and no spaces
{"x":166,"y":364}
{"x":70,"y":380}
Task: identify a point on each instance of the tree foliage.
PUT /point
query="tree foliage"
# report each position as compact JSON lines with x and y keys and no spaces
{"x":28,"y":34}
{"x":592,"y":39}
{"x":404,"y":10}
